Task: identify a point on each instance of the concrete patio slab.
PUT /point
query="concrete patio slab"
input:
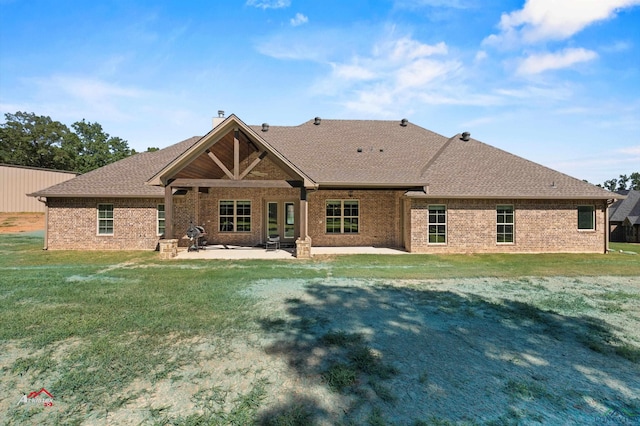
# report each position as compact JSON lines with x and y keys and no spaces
{"x":240,"y":252}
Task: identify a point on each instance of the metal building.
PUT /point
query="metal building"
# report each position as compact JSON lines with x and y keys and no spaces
{"x":18,"y":181}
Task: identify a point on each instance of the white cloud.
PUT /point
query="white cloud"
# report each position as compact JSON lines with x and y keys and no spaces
{"x":352,"y":72}
{"x":269,"y":4}
{"x":536,"y":64}
{"x":299,"y":19}
{"x":408,"y":49}
{"x":481,"y":56}
{"x":541,"y":20}
{"x":632,"y":150}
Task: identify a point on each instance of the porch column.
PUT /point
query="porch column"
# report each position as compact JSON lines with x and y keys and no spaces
{"x":168,"y":212}
{"x":196,"y":215}
{"x":304,"y":214}
{"x":303,"y":243}
{"x":607,"y":227}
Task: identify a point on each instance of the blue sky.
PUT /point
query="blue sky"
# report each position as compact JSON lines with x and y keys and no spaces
{"x":556,"y":82}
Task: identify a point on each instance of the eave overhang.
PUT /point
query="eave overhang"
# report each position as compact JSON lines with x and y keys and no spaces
{"x":119,"y":195}
{"x":422,"y":194}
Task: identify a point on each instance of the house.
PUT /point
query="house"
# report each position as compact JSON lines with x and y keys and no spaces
{"x":18,"y":181}
{"x":330,"y":183}
{"x":624,"y":218}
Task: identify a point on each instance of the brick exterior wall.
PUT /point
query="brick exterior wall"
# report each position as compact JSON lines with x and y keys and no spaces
{"x":540,"y":226}
{"x":386,"y":219}
{"x":379,"y":223}
{"x":73,"y":224}
{"x":184,"y":209}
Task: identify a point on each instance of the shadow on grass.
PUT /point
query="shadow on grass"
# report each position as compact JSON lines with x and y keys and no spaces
{"x":427,"y":357}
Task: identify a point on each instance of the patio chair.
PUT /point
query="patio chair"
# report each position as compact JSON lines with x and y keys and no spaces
{"x":273,"y":243}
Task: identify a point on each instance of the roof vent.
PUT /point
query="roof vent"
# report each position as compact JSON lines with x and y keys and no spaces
{"x":466,"y":136}
{"x":265,"y":127}
{"x":359,"y":149}
{"x":317,"y":121}
{"x":404,"y":122}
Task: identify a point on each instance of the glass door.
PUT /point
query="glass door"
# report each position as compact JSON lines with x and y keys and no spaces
{"x":281,"y":220}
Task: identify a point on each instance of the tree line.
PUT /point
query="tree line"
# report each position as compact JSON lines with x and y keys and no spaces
{"x":27,"y":139}
{"x":623,"y":182}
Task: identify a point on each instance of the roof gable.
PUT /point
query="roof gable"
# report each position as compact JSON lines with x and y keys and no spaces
{"x":219,"y":147}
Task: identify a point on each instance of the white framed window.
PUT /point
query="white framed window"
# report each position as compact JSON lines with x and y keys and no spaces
{"x":105,"y":219}
{"x":437,"y":224}
{"x":234,"y":216}
{"x":586,"y":218}
{"x":504,"y":225}
{"x":342,"y":216}
{"x":160,"y":219}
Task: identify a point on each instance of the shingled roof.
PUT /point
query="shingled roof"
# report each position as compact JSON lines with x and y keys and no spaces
{"x":123,"y":179}
{"x":629,"y":208}
{"x":360,"y":153}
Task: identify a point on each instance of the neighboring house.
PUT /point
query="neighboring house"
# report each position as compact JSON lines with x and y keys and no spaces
{"x":18,"y":181}
{"x":624,"y":218}
{"x":330,"y":183}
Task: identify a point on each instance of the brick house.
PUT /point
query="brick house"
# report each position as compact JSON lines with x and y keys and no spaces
{"x":624,"y":218}
{"x":330,"y":183}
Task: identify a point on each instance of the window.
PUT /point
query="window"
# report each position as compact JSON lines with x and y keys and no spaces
{"x":342,"y":216}
{"x":105,"y":219}
{"x":161,"y":216}
{"x":235,"y":216}
{"x":586,"y":218}
{"x":504,"y":224}
{"x":437,"y":224}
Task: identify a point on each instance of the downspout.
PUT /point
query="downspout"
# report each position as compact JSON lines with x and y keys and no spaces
{"x":46,"y":222}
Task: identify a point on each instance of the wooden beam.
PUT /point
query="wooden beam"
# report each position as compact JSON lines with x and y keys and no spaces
{"x":228,"y":183}
{"x":168,"y":212}
{"x":196,"y":215}
{"x":236,"y":156}
{"x":303,"y":211}
{"x":253,"y":164}
{"x":220,"y":164}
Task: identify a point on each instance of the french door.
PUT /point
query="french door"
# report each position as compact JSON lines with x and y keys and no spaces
{"x":281,"y":220}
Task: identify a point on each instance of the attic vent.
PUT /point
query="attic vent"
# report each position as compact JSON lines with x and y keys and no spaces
{"x":404,"y":122}
{"x":466,"y":136}
{"x":359,"y":149}
{"x":265,"y":127}
{"x":317,"y":121}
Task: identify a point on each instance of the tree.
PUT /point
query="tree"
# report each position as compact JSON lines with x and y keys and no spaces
{"x":635,"y":181}
{"x":93,"y":148}
{"x":623,"y":182}
{"x":27,"y":139}
{"x":610,"y":184}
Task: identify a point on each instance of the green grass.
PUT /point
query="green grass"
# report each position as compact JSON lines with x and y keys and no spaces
{"x":635,"y":248}
{"x":121,"y":317}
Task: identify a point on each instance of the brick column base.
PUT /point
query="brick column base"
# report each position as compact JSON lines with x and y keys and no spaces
{"x":303,"y":248}
{"x":168,"y":249}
